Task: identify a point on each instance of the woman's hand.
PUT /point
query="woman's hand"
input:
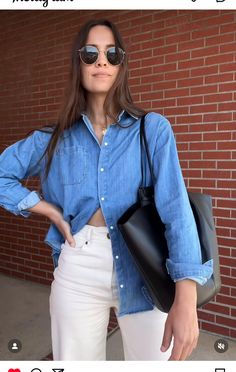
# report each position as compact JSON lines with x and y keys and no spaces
{"x":182,"y":322}
{"x":55,"y":215}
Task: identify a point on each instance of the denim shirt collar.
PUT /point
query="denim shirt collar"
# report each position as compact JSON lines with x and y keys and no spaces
{"x":124,"y":118}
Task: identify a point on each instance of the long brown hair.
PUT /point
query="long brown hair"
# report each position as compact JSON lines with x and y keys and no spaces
{"x":75,"y":95}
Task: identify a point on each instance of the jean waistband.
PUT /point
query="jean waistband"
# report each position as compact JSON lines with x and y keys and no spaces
{"x":89,"y":231}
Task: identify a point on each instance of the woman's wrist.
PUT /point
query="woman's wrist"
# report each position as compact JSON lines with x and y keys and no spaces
{"x":185,"y":290}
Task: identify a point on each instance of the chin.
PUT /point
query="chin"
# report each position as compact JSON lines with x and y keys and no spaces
{"x":99,"y":90}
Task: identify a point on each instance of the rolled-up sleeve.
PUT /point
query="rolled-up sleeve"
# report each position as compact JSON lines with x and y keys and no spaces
{"x":17,"y":162}
{"x":174,"y":208}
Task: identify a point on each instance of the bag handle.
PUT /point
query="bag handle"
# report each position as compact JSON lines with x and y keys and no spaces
{"x":143,"y":136}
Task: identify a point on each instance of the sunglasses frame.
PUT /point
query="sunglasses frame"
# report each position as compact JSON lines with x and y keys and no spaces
{"x":100,"y":51}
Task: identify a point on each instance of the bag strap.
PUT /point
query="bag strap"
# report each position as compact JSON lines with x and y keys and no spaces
{"x":146,"y":149}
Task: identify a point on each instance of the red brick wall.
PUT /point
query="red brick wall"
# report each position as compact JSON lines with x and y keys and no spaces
{"x":183,"y":65}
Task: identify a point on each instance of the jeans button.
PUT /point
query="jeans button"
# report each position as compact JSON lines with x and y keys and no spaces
{"x":108,"y":236}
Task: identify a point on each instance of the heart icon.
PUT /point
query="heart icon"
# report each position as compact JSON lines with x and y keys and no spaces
{"x":14,"y":370}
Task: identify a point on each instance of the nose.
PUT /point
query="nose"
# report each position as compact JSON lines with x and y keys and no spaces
{"x":101,"y":61}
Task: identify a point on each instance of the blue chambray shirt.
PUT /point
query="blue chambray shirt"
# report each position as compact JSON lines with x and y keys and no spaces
{"x":86,"y":175}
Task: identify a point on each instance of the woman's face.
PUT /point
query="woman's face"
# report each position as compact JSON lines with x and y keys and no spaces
{"x":99,"y":77}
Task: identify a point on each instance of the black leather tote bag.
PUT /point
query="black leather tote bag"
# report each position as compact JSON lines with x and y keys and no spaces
{"x":143,"y":232}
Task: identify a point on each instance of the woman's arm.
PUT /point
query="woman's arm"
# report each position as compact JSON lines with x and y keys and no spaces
{"x":56,"y":216}
{"x":185,"y":262}
{"x":17,"y":162}
{"x":172,"y":202}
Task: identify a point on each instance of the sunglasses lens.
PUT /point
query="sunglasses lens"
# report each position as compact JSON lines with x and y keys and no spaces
{"x":115,"y":55}
{"x":89,"y":54}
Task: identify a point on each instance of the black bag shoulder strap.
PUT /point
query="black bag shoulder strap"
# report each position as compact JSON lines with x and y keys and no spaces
{"x":146,"y":149}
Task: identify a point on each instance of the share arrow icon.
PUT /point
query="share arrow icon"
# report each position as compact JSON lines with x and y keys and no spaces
{"x":58,"y":369}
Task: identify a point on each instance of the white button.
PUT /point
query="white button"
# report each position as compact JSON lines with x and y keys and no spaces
{"x":102,"y":169}
{"x":111,"y":227}
{"x":122,"y":285}
{"x":102,"y":198}
{"x":106,"y":143}
{"x":117,"y":257}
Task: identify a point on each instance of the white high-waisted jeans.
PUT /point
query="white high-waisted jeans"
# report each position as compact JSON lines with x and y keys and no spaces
{"x":83,"y":291}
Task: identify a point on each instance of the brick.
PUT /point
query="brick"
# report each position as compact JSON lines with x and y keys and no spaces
{"x":217,"y":136}
{"x":226,"y":184}
{"x":206,"y":316}
{"x":201,"y":183}
{"x":202,"y":164}
{"x":205,"y":71}
{"x":224,"y":87}
{"x":216,"y":154}
{"x":226,"y":321}
{"x":175,"y":39}
{"x":204,"y":33}
{"x":227,"y":242}
{"x":140,"y":55}
{"x":195,"y":91}
{"x":176,"y":93}
{"x":165,"y":50}
{"x":202,"y":127}
{"x":191,"y":173}
{"x":191,"y":63}
{"x":176,"y":75}
{"x":165,"y":102}
{"x":227,"y":203}
{"x":206,"y":146}
{"x":164,"y":68}
{"x":203,"y":52}
{"x":164,"y":85}
{"x":213,"y":328}
{"x":226,"y":106}
{"x":39,"y":273}
{"x":217,"y":308}
{"x":218,"y":79}
{"x":140,"y":72}
{"x":151,"y":96}
{"x":217,"y":117}
{"x":226,"y":164}
{"x":203,"y":108}
{"x":190,"y":81}
{"x":177,"y":57}
{"x":176,"y":111}
{"x":226,"y":300}
{"x":189,"y":101}
{"x":222,"y":232}
{"x":220,"y":39}
{"x":219,"y":59}
{"x":222,"y":213}
{"x":231,"y":282}
{"x":165,"y":32}
{"x":232,"y":334}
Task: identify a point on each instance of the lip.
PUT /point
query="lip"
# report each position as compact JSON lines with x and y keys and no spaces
{"x":101,"y":74}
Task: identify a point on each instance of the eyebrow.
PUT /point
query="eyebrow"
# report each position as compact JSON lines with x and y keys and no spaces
{"x":107,"y":46}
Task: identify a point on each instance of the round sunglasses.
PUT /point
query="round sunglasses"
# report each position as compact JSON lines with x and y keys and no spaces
{"x":89,"y":55}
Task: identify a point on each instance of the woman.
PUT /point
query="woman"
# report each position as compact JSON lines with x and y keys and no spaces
{"x":90,"y":176}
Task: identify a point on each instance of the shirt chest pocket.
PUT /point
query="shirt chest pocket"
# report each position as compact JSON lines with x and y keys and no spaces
{"x":72,"y":163}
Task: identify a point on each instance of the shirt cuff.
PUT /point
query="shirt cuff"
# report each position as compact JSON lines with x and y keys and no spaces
{"x":198,"y":280}
{"x":197,"y":272}
{"x":29,"y":201}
